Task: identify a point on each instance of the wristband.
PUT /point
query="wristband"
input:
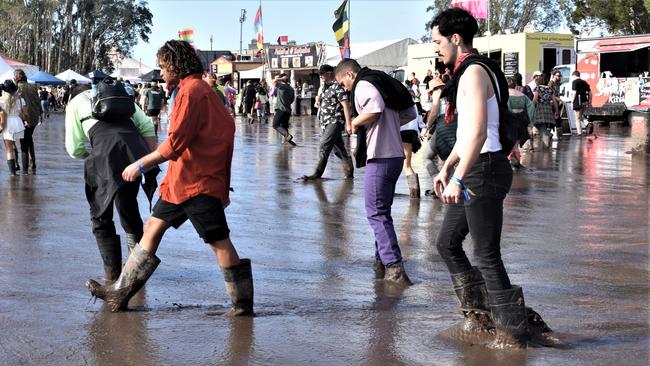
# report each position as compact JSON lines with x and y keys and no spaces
{"x":141,"y":169}
{"x":467,"y":193}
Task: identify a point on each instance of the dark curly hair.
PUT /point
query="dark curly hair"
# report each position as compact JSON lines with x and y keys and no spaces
{"x":180,"y":58}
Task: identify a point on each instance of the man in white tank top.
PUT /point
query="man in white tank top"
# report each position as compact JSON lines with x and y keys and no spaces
{"x":473,"y":183}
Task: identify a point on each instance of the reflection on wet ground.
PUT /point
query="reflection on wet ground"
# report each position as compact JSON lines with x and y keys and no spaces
{"x":575,"y":237}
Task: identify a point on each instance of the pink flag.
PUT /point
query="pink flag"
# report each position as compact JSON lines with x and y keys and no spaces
{"x":478,"y":8}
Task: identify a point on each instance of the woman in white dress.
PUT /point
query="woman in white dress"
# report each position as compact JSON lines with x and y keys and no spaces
{"x":12,"y":126}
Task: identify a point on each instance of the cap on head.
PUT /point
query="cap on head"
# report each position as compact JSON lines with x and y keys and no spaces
{"x":537,"y":73}
{"x":324,"y":69}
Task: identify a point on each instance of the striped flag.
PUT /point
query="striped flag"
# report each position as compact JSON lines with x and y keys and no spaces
{"x":186,"y":35}
{"x":478,"y":8}
{"x":341,"y":28}
{"x":258,"y":28}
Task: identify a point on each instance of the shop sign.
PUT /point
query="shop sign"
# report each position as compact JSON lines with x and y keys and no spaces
{"x":293,"y":57}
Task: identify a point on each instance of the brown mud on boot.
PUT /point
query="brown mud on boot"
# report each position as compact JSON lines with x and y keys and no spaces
{"x":131,"y":241}
{"x":510,"y":318}
{"x":379,"y":269}
{"x":470,"y":289}
{"x":348,"y":168}
{"x":111,"y":252}
{"x":396,"y":275}
{"x":318,"y":173}
{"x":414,"y":185}
{"x":239,"y":284}
{"x":137,"y":270}
{"x":540,"y":333}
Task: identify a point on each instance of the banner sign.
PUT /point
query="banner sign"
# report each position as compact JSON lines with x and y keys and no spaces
{"x":293,"y":57}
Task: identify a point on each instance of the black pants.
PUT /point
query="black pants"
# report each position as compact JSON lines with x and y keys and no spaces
{"x":126,"y":203}
{"x":27,"y":145}
{"x":332,"y":139}
{"x":482,"y":216}
{"x":281,"y":119}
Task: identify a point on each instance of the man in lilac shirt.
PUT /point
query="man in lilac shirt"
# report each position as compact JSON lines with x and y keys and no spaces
{"x":384,"y":165}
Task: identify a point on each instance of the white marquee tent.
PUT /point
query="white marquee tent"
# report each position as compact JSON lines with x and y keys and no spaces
{"x":379,"y":55}
{"x":68,"y":75}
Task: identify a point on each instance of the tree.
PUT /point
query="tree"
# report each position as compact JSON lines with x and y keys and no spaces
{"x":512,"y":16}
{"x":618,"y":16}
{"x":78,"y":34}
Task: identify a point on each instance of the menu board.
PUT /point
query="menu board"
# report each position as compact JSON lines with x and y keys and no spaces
{"x":510,"y":63}
{"x":293,"y":57}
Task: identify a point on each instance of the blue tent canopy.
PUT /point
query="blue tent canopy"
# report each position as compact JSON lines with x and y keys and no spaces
{"x":42,"y":77}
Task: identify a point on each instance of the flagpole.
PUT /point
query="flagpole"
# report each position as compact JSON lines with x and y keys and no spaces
{"x":488,"y":28}
{"x":350,"y":26}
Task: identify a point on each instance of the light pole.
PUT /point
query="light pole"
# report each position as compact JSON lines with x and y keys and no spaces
{"x":242,"y":19}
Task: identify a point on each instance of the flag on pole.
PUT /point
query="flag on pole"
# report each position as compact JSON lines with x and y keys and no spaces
{"x":258,"y":28}
{"x":186,"y":35}
{"x":478,"y":8}
{"x":283,"y":39}
{"x":341,"y":28}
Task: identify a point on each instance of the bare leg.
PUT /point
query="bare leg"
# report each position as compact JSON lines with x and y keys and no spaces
{"x":153,"y":233}
{"x":226,"y":254}
{"x":408,"y":153}
{"x":9,"y":147}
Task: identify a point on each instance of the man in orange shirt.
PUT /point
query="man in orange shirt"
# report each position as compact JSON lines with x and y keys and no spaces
{"x":199,"y":148}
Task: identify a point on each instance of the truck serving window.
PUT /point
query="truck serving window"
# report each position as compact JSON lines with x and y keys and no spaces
{"x":626,"y":64}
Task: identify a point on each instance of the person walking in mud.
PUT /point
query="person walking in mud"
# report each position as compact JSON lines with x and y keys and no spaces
{"x":473,"y":183}
{"x":381,"y":104}
{"x":334,"y":117}
{"x":199,"y":148}
{"x":284,"y":97}
{"x":110,"y":139}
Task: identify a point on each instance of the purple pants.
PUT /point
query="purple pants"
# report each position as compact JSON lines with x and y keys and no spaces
{"x":379,"y":187}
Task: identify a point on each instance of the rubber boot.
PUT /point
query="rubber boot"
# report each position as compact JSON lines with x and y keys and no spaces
{"x":239,"y":284}
{"x":510,"y":318}
{"x":396,"y":275}
{"x":16,"y":159}
{"x":348,"y":168}
{"x":379,"y":269}
{"x":318,"y":173}
{"x":136,"y":272}
{"x":25,"y":160}
{"x":131,"y":241}
{"x":414,"y":185}
{"x":472,"y":295}
{"x":111,"y":252}
{"x":11,"y":164}
{"x":540,"y":332}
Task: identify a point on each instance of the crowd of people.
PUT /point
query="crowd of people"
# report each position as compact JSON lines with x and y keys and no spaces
{"x":455,"y":115}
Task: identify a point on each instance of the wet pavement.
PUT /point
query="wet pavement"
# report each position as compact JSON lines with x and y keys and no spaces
{"x":575,"y":237}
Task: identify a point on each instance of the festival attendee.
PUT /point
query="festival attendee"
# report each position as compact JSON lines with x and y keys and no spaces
{"x":261,"y":99}
{"x":12,"y":127}
{"x":154,"y":102}
{"x":249,"y":100}
{"x":284,"y":97}
{"x":545,"y":111}
{"x":43,"y":96}
{"x":581,"y":96}
{"x":199,"y":148}
{"x":518,"y":102}
{"x":381,"y":104}
{"x":115,"y":144}
{"x":334,"y":118}
{"x":473,"y":183}
{"x":411,"y":144}
{"x":28,"y":93}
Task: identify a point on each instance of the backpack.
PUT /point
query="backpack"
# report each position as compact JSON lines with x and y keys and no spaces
{"x":111,"y":102}
{"x":527,"y":92}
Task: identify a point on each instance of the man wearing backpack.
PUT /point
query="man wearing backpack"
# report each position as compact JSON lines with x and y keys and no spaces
{"x":115,"y":144}
{"x":473,"y":183}
{"x":30,"y":96}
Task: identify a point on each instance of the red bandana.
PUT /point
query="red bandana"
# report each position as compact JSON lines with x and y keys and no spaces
{"x":450,"y":110}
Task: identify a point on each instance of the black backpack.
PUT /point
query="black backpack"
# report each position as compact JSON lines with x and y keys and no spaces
{"x":111,"y":102}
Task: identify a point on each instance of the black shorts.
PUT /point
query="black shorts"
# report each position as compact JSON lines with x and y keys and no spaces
{"x":409,"y":136}
{"x":206,"y":214}
{"x":153,"y":112}
{"x":248,"y":107}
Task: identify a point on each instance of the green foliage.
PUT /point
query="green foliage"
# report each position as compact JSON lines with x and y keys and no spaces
{"x":618,"y":16}
{"x":77,"y":34}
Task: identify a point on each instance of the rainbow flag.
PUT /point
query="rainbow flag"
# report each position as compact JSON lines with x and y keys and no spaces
{"x":186,"y":35}
{"x":341,"y":28}
{"x":258,"y":28}
{"x":478,"y":8}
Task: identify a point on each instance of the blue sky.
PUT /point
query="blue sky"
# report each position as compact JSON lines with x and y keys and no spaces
{"x":301,"y":20}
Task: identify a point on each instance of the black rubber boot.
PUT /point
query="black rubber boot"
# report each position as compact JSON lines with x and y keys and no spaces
{"x":137,"y":270}
{"x":472,"y":295}
{"x":414,"y":185}
{"x":111,"y":252}
{"x":11,"y":164}
{"x":239,"y":284}
{"x":396,"y":275}
{"x":539,"y":332}
{"x":25,"y":160}
{"x":379,"y":268}
{"x":510,"y":318}
{"x":348,"y":168}
{"x":318,"y":173}
{"x":131,"y":241}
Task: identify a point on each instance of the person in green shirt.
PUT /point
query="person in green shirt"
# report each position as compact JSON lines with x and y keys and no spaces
{"x":115,"y":145}
{"x":153,"y":103}
{"x":284,"y":96}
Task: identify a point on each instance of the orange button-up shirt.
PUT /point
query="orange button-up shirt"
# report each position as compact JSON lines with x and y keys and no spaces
{"x":199,"y":144}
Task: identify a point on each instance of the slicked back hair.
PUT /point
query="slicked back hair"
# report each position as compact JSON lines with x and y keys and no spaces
{"x":347,"y":64}
{"x":456,"y":21}
{"x":180,"y":58}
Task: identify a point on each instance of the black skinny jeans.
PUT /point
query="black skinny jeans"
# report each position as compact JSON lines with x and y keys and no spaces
{"x":126,"y":204}
{"x":27,"y":144}
{"x":482,"y":216}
